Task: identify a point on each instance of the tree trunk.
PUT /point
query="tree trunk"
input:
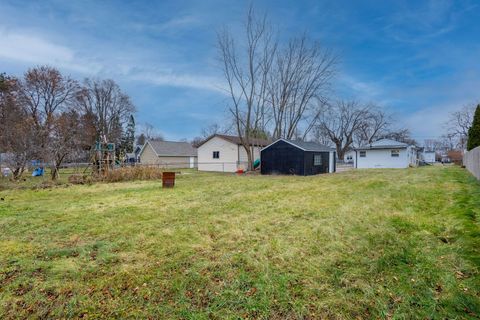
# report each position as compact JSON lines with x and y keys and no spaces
{"x":56,"y":167}
{"x":340,"y":152}
{"x":17,"y":172}
{"x":249,"y":157}
{"x":54,"y":173}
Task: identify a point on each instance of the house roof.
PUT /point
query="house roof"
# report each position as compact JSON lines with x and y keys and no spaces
{"x":305,"y":146}
{"x":172,"y":148}
{"x":384,"y":144}
{"x":236,"y":140}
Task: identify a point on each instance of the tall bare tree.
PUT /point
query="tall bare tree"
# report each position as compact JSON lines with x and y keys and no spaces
{"x":65,"y":138}
{"x":109,"y":105}
{"x":246,"y":69}
{"x":16,"y":128}
{"x":300,"y":76}
{"x":340,"y":122}
{"x":150,"y":132}
{"x":458,"y":124}
{"x":375,"y":124}
{"x":45,"y":92}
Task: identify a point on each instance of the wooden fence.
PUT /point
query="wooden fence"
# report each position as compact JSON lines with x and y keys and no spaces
{"x":471,"y":161}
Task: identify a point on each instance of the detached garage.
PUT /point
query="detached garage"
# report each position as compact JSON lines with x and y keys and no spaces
{"x":297,"y":157}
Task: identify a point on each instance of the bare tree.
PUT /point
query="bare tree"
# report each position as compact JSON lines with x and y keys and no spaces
{"x":150,"y":132}
{"x":109,"y":105}
{"x":246,"y":73}
{"x":44,"y":92}
{"x":301,"y":74}
{"x":458,"y":124}
{"x":341,"y":121}
{"x":401,"y":135}
{"x":211,"y":130}
{"x":16,"y":128}
{"x":375,"y":124}
{"x":64,"y":139}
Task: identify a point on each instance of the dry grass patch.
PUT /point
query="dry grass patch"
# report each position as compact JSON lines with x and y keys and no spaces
{"x":361,"y":244}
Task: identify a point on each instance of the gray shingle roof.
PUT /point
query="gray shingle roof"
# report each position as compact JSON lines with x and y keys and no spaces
{"x":236,"y":140}
{"x":384,"y":144}
{"x":173,"y":148}
{"x":308,"y":146}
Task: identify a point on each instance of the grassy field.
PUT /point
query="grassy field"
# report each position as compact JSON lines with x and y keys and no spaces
{"x":400,"y":244}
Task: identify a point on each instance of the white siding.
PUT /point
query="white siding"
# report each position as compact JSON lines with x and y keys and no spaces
{"x":244,"y":158}
{"x":429,"y":157}
{"x":228,"y":156}
{"x":383,"y":159}
{"x":349,"y":157}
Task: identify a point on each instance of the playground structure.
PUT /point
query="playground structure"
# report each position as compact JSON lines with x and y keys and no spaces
{"x":103,"y":158}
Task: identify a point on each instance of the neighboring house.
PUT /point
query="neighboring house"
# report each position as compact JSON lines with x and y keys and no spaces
{"x":386,"y":153}
{"x":297,"y":157}
{"x":130,"y":158}
{"x":225,"y":153}
{"x":349,"y":156}
{"x":428,"y":156}
{"x":169,"y":154}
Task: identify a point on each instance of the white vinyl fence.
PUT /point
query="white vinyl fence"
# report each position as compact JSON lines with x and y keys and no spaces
{"x":471,"y":161}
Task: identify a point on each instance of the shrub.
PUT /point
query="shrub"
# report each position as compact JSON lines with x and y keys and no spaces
{"x":80,"y":179}
{"x":131,"y":173}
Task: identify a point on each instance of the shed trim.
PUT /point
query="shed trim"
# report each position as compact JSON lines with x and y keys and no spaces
{"x":284,"y":140}
{"x":143,"y":147}
{"x":297,"y":146}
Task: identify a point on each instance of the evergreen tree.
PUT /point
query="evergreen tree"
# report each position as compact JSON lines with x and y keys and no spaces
{"x":474,"y":131}
{"x":128,"y":138}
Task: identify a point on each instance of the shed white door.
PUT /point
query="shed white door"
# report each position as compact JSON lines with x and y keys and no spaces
{"x":192,"y":162}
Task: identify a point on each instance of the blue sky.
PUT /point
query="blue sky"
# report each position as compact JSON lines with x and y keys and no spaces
{"x":418,"y":59}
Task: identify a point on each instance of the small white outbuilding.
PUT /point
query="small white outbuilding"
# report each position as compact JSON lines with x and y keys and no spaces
{"x":428,"y":156}
{"x":385,"y":153}
{"x":225,"y":153}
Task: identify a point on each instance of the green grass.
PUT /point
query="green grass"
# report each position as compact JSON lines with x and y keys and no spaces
{"x":397,"y":244}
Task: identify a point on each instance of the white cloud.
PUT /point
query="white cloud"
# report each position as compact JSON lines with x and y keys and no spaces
{"x":179,"y":80}
{"x":31,"y":50}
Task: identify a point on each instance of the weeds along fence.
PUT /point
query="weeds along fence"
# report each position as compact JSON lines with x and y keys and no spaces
{"x":202,"y":166}
{"x":85,"y":169}
{"x":471,"y":161}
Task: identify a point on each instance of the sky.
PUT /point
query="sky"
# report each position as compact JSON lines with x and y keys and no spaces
{"x":420,"y":60}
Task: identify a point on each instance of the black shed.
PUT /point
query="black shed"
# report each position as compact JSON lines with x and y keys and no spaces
{"x":297,"y":157}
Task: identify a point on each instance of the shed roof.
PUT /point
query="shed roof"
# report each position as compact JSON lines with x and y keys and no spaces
{"x":384,"y":144}
{"x":305,"y":146}
{"x":236,"y":140}
{"x":172,"y":148}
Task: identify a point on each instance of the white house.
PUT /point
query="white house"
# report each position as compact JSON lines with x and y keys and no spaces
{"x":385,"y":153}
{"x":428,"y":156}
{"x":225,"y":153}
{"x":168,"y":154}
{"x":349,"y":156}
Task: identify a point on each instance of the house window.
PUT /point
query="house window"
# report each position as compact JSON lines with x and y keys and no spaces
{"x":363,"y":154}
{"x":395,"y":153}
{"x":317,"y":159}
{"x":216,"y":154}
